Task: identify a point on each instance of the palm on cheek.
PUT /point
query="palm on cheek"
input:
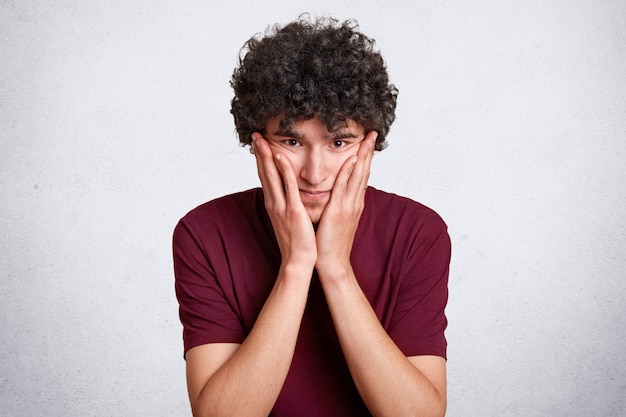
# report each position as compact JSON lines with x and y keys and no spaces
{"x":341,"y":216}
{"x":291,"y":223}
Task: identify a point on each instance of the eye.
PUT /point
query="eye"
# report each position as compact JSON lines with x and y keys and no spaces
{"x":292,"y":142}
{"x":338,"y":143}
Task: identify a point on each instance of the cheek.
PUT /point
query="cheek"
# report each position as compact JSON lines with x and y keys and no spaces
{"x":294,"y":159}
{"x":335,"y":163}
{"x":348,"y":154}
{"x":296,"y":163}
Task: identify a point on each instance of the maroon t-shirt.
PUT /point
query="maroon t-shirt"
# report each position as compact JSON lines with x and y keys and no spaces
{"x":226,"y":260}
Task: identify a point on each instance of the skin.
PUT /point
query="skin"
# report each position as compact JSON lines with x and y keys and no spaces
{"x":314,"y":178}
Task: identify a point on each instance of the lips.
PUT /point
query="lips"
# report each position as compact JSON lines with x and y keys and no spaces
{"x":312,"y":195}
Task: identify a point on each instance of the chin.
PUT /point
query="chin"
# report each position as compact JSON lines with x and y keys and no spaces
{"x":315,"y":220}
{"x":315,"y":217}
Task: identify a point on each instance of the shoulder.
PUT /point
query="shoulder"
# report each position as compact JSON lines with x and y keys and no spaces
{"x":225,"y":215}
{"x":231,"y":204}
{"x":398,"y":227}
{"x":385,"y":207}
{"x":232,"y":208}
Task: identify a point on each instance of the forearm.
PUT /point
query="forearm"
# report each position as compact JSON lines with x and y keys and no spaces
{"x":249,"y":382}
{"x":388,"y":382}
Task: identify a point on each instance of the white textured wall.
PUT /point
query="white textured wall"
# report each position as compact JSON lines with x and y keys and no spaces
{"x":114,"y":121}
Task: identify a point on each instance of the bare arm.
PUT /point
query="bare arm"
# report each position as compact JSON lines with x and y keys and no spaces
{"x":231,"y":379}
{"x":228,"y":379}
{"x":389,"y":383}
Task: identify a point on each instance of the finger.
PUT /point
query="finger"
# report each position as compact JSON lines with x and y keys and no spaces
{"x":290,"y":181}
{"x":360,"y":176}
{"x":261,"y":159}
{"x":271,"y":179}
{"x":256,"y":151}
{"x":343,"y":177}
{"x":369,"y":154}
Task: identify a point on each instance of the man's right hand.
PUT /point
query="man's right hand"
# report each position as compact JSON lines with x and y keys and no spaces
{"x":246,"y":379}
{"x":292,"y":225}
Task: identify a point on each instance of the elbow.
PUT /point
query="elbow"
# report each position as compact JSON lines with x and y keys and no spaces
{"x":441,"y":411}
{"x":440,"y":406}
{"x":436,"y":407}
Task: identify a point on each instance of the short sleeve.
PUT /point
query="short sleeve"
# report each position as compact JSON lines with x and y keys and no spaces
{"x":205,"y":312}
{"x":419,"y":319}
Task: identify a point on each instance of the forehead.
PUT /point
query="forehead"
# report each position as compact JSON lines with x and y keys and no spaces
{"x":277,"y":125}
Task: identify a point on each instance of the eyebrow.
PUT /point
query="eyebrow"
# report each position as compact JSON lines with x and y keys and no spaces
{"x":341,"y":134}
{"x":344,"y":135}
{"x":289,"y":133}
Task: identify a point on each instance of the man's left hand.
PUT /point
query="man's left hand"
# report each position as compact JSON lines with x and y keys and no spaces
{"x":340,"y":219}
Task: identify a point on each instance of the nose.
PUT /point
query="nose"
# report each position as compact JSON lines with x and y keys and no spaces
{"x":314,"y":168}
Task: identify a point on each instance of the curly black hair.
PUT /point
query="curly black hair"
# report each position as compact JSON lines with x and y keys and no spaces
{"x":307,"y":68}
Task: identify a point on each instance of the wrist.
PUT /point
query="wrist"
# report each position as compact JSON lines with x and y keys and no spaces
{"x":334,"y":272}
{"x":297,"y":268}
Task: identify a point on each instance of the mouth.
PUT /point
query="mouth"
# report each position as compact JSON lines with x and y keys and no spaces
{"x":311,"y":195}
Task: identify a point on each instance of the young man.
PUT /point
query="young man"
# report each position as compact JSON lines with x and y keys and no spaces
{"x":314,"y":295}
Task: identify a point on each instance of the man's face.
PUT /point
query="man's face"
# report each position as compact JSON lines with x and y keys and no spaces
{"x":316,"y":156}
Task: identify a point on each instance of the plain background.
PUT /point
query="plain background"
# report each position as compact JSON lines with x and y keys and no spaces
{"x":114,"y":122}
